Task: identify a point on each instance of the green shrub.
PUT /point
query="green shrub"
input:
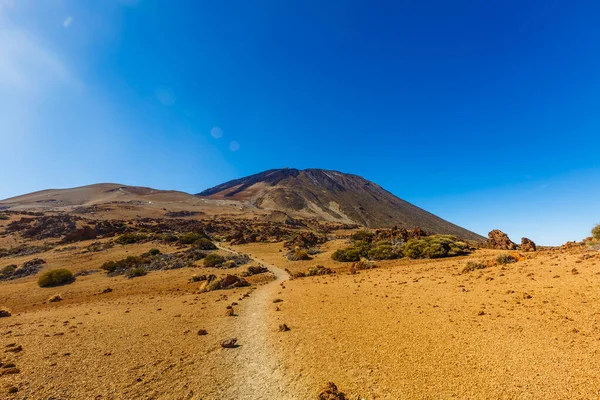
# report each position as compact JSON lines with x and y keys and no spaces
{"x":352,"y":253}
{"x":169,"y":238}
{"x":298,"y":255}
{"x":204,"y":244}
{"x":154,"y":252}
{"x":130,"y":238}
{"x":190,"y":238}
{"x":472,"y":266}
{"x":362,"y":235}
{"x":56,"y":277}
{"x":319,"y":270}
{"x":135,"y":272}
{"x":384,"y":252}
{"x":3,"y":217}
{"x":213,"y":260}
{"x":596,"y":232}
{"x":9,"y":269}
{"x":435,"y":246}
{"x":505,"y":259}
{"x":126,"y":263}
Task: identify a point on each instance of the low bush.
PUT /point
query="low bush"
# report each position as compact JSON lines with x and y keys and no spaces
{"x":3,"y":217}
{"x":318,"y":270}
{"x":190,"y":238}
{"x":362,"y":265}
{"x":298,"y":255}
{"x":596,"y":232}
{"x":352,"y":253}
{"x":198,"y":278}
{"x":362,"y":235}
{"x":505,"y":259}
{"x":135,"y":272}
{"x":254,"y":270}
{"x":169,"y":238}
{"x":126,"y":263}
{"x":56,"y":277}
{"x":385,"y":251}
{"x":472,"y":266}
{"x":154,"y":252}
{"x":435,"y":246}
{"x":130,"y":238}
{"x":204,"y":244}
{"x":213,"y":260}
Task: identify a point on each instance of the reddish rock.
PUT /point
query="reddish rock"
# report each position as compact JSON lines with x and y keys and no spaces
{"x":85,"y":233}
{"x":528,"y":245}
{"x":330,"y":392}
{"x":500,"y":240}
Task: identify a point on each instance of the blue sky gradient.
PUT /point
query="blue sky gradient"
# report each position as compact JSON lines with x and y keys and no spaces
{"x":485,"y":113}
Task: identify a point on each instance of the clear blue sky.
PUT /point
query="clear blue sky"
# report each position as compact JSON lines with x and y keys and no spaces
{"x":486,"y":113}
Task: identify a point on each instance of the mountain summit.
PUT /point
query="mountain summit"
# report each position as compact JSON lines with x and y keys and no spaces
{"x":331,"y":195}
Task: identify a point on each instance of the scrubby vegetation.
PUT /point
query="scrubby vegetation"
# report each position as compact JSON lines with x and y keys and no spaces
{"x":254,"y":270}
{"x":385,"y":251}
{"x":318,"y":270}
{"x":472,"y":266}
{"x":505,"y":259}
{"x":135,"y":272}
{"x":204,"y":244}
{"x":363,"y":235}
{"x":24,"y":250}
{"x":4,"y":217}
{"x":362,"y":265}
{"x":435,"y":246}
{"x":154,"y":252}
{"x":131,"y":238}
{"x":298,"y":255}
{"x":191,"y":237}
{"x":596,"y":232}
{"x":352,"y":253}
{"x":56,"y":277}
{"x":152,"y":261}
{"x":214,"y":260}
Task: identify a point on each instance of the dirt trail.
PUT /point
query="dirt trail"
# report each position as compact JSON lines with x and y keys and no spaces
{"x":256,"y":370}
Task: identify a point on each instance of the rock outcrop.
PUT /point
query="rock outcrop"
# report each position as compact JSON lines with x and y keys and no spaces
{"x":500,"y":240}
{"x":528,"y":245}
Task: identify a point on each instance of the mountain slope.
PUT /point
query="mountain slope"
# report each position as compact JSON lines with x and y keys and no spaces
{"x":333,"y":196}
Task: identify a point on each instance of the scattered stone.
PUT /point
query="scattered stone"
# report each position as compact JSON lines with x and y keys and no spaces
{"x":15,"y":349}
{"x":228,"y":282}
{"x":13,"y":389}
{"x":254,"y":270}
{"x":4,"y":313}
{"x":107,"y":290}
{"x":202,"y":332}
{"x":230,"y":313}
{"x":330,"y":392}
{"x":55,"y":298}
{"x":277,"y":301}
{"x":283,"y":328}
{"x":229,"y":343}
{"x":10,"y":371}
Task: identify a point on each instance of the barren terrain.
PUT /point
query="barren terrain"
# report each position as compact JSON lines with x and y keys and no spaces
{"x":405,"y":329}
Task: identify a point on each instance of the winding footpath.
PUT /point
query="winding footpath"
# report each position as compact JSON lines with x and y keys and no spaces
{"x":256,"y":370}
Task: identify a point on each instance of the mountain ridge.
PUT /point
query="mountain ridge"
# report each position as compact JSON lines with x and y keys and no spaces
{"x":332,"y":195}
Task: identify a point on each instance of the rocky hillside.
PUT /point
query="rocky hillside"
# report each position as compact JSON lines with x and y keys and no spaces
{"x":333,"y":196}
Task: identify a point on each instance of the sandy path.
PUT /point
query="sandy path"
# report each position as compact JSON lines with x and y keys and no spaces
{"x":256,"y":369}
